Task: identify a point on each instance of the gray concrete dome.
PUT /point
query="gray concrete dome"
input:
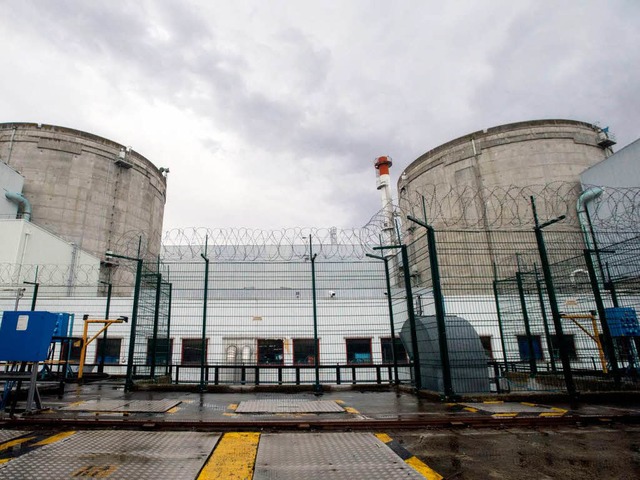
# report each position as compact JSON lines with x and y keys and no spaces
{"x":89,"y":190}
{"x":537,"y":152}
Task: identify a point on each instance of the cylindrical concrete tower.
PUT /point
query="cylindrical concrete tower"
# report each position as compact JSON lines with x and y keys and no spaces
{"x":534,"y":153}
{"x":93,"y":192}
{"x":483,"y":181}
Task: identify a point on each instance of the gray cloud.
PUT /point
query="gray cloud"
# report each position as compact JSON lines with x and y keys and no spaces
{"x":297,"y":95}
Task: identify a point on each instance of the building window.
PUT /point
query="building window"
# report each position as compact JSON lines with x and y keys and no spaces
{"x":303,"y":351}
{"x":270,"y":351}
{"x":163,"y":351}
{"x":76,"y":348}
{"x":570,"y":344}
{"x":192,"y":351}
{"x":358,"y":350}
{"x":387,"y":354}
{"x":523,"y":347}
{"x":111,"y":350}
{"x":485,"y":340}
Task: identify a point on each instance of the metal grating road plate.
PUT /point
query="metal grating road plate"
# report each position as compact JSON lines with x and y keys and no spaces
{"x":328,"y":456}
{"x":6,"y":435}
{"x":116,"y":455}
{"x":138,"y":406}
{"x":284,"y":405}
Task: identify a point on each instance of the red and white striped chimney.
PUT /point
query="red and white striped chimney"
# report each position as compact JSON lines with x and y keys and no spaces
{"x":382,"y":165}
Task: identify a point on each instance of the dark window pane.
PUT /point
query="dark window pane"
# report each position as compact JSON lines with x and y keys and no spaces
{"x":486,"y":344}
{"x":270,"y":351}
{"x":358,"y":350}
{"x":523,"y":347}
{"x":303,"y":351}
{"x":192,"y":351}
{"x":569,"y":342}
{"x":163,"y":351}
{"x":111,"y":350}
{"x":76,"y":348}
{"x":387,"y":354}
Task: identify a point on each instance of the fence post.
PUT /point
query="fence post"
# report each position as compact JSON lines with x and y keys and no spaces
{"x":606,"y":332}
{"x":438,"y":299}
{"x":134,"y":314}
{"x":203,"y":347}
{"x":169,"y":350}
{"x":394,"y":355}
{"x":545,"y":321}
{"x":156,"y":317}
{"x":410,"y":311}
{"x":316,"y":360}
{"x":106,"y":317}
{"x":500,"y":327}
{"x":527,"y":326}
{"x":553,"y":301}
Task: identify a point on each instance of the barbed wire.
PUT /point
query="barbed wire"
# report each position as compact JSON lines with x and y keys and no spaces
{"x":49,"y":274}
{"x":289,"y":244}
{"x":466,"y":207}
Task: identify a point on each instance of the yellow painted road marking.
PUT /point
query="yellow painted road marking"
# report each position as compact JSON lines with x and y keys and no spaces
{"x":557,"y":409}
{"x":339,"y":402}
{"x":4,"y":460}
{"x":423,"y":469}
{"x":13,"y":443}
{"x":351,"y":410}
{"x":551,"y":414}
{"x":172,"y":410}
{"x":411,"y":460}
{"x":504,"y":415}
{"x":232,"y":406}
{"x":493,"y":401}
{"x":53,"y":439}
{"x":233,"y":458}
{"x":75,"y":404}
{"x":470,"y":409}
{"x":529,"y":404}
{"x":384,"y":437}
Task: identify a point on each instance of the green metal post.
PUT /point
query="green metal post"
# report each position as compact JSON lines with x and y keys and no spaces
{"x":545,"y":321}
{"x":394,"y":355}
{"x":203,"y":353}
{"x":134,"y":316}
{"x":156,"y":317}
{"x":527,"y":326}
{"x":410,"y":311}
{"x":34,"y":297}
{"x":316,"y":360}
{"x":611,"y":286}
{"x":500,"y":327}
{"x":104,"y":335}
{"x":438,"y":299}
{"x":168,"y":348}
{"x":36,"y":286}
{"x":606,"y":332}
{"x":553,"y":301}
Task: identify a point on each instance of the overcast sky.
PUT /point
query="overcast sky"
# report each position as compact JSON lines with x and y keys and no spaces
{"x":269,"y":114}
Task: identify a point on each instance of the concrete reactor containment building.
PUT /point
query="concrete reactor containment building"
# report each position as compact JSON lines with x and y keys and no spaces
{"x":93,"y":192}
{"x":465,"y":177}
{"x":484,"y":182}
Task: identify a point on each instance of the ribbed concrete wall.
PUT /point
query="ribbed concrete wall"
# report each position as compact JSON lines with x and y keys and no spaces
{"x":499,"y":159}
{"x":525,"y":153}
{"x":79,"y":192}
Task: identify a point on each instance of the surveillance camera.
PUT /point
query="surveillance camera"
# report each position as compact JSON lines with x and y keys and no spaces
{"x":332,"y":294}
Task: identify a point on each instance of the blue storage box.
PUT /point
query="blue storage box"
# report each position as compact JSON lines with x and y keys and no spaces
{"x":26,"y":336}
{"x":623,"y":322}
